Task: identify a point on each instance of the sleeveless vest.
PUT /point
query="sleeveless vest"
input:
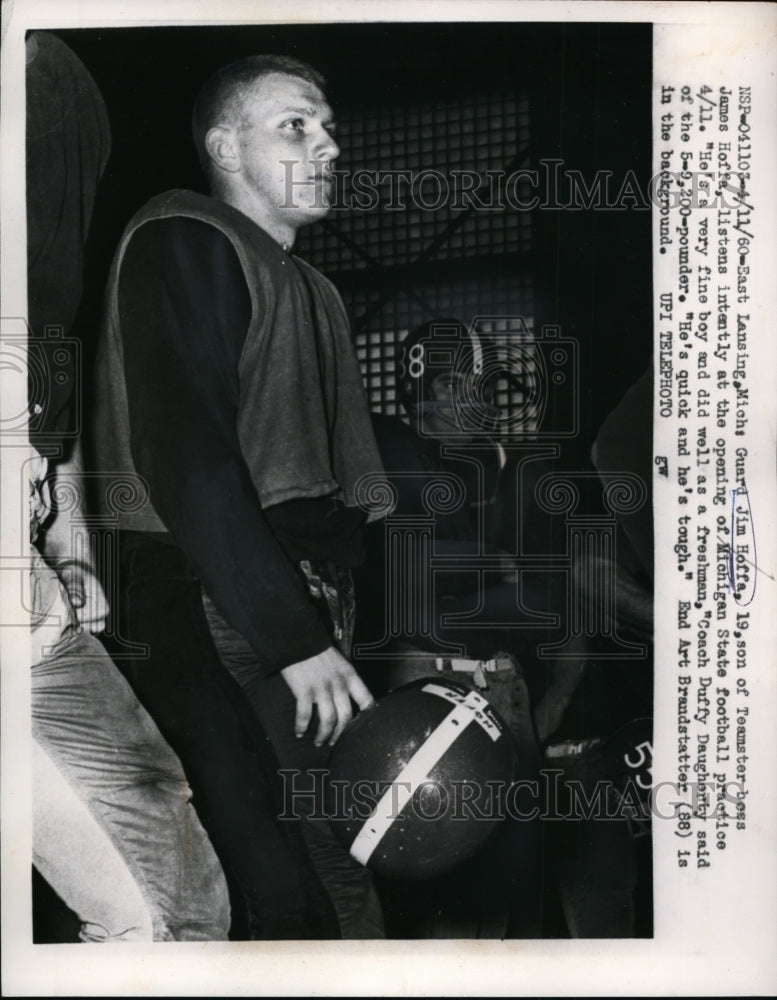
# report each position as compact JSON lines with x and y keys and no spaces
{"x":303,"y":421}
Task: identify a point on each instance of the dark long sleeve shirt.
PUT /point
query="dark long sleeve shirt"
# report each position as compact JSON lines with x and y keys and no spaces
{"x":185,"y":309}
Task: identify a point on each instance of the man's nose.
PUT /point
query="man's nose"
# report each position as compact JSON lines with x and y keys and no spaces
{"x":324,"y":146}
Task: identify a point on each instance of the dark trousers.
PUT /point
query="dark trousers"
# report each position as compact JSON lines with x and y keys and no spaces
{"x":349,"y":885}
{"x":227,"y":757}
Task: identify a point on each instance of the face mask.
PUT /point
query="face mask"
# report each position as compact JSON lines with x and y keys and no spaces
{"x":460,"y":417}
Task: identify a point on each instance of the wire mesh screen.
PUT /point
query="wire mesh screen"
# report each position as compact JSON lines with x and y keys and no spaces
{"x":423,"y":225}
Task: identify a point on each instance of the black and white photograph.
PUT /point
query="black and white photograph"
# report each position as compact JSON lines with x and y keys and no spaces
{"x":355,"y":363}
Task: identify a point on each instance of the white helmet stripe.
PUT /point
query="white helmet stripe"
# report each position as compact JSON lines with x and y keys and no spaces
{"x":477,"y":352}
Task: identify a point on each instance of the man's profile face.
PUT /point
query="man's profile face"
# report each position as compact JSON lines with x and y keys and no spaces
{"x":287,"y":149}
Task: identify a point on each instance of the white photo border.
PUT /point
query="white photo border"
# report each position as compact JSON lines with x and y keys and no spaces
{"x":714,"y":934}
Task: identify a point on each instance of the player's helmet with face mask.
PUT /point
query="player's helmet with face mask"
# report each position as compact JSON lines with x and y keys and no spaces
{"x":447,"y":378}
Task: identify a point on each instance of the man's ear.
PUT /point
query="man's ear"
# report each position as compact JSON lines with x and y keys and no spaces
{"x":222,"y":149}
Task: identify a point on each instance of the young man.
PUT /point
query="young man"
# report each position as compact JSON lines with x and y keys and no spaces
{"x":227,"y":382}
